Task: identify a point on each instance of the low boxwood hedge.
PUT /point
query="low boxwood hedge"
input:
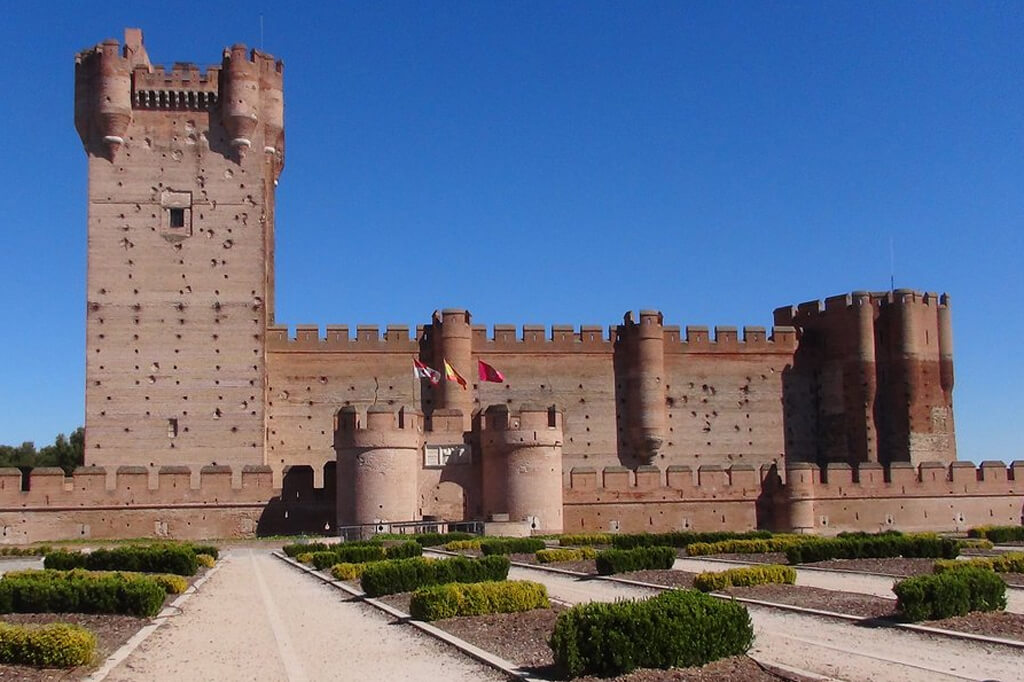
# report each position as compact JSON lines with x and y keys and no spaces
{"x":359,"y":554}
{"x":744,"y":577}
{"x":880,"y":546}
{"x":462,"y":545}
{"x":56,"y":645}
{"x":295,"y":549}
{"x":511,"y":545}
{"x":26,"y":551}
{"x":998,"y":533}
{"x":349,"y":571}
{"x":177,"y":559}
{"x":779,"y":543}
{"x":639,"y":559}
{"x":1006,"y":563}
{"x":206,"y":561}
{"x":405,"y":575}
{"x":682,"y":538}
{"x":674,"y":629}
{"x":79,"y":591}
{"x":476,"y":599}
{"x":547,"y":556}
{"x":577,"y":539}
{"x":437,"y":539}
{"x":953,"y":593}
{"x":172,"y":584}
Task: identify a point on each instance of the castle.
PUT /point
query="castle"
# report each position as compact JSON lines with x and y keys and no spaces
{"x":205,"y":418}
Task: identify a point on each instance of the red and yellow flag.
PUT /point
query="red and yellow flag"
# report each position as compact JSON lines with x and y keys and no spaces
{"x":451,"y":375}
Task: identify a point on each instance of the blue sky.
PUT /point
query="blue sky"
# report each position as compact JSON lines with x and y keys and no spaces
{"x":561,"y":163}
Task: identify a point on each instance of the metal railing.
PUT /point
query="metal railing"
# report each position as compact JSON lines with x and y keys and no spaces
{"x":366,"y":531}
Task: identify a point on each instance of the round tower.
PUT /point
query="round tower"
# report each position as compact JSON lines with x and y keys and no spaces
{"x":240,"y":98}
{"x":646,"y":383}
{"x":103,"y":97}
{"x":799,"y":496}
{"x":382,"y":460}
{"x":456,"y":347}
{"x":946,"y":347}
{"x":866,"y":372}
{"x":272,"y":107}
{"x":530,"y":447}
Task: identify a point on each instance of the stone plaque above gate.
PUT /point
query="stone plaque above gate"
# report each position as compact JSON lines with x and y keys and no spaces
{"x":443,"y":455}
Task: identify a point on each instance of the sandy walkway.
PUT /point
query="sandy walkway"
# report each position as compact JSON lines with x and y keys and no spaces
{"x":827,"y":647}
{"x":260,"y":619}
{"x":859,"y":583}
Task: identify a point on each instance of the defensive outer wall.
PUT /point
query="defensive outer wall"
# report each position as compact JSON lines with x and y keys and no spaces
{"x":206,"y":418}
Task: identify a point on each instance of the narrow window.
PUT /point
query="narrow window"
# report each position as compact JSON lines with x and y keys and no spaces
{"x":172,"y":428}
{"x":177,"y":217}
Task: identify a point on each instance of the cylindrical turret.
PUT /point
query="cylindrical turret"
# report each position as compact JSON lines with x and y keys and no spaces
{"x":493,"y":461}
{"x":866,"y":371}
{"x":531,"y":446}
{"x":271,"y":104}
{"x":240,"y":98}
{"x":646,"y":383}
{"x":946,"y":347}
{"x":114,"y":96}
{"x":906,"y":342}
{"x":384,"y":460}
{"x":455,"y":347}
{"x":799,"y":496}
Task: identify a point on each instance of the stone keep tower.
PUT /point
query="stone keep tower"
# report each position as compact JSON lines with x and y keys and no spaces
{"x":182,"y":169}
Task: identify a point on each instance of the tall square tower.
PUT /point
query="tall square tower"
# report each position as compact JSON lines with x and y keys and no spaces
{"x":182,"y":169}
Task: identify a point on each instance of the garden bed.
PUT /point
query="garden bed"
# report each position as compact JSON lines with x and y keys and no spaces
{"x":898,"y":567}
{"x":992,"y":623}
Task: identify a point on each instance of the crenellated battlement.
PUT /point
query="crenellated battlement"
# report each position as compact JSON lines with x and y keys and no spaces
{"x":507,"y":338}
{"x":338,"y":338}
{"x":903,"y":479}
{"x":134,"y":486}
{"x":840,"y":305}
{"x":590,"y":485}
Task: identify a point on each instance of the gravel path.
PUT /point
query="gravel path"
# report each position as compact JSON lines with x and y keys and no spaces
{"x":859,"y":583}
{"x":260,"y":619}
{"x":828,"y":647}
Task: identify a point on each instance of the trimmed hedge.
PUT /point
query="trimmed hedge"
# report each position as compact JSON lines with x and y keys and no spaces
{"x":476,"y":599}
{"x":744,"y":577}
{"x":360,"y":554}
{"x":435,"y":539}
{"x":1006,"y":563}
{"x":998,"y":533}
{"x":206,"y":561}
{"x":511,"y":546}
{"x":79,"y":591}
{"x":779,"y":543}
{"x":682,"y":538}
{"x":349,"y":571}
{"x":547,"y":556}
{"x":405,"y":575}
{"x":953,"y":593}
{"x":57,"y":645}
{"x":578,"y":539}
{"x":295,"y":549}
{"x":639,"y":559}
{"x":208,"y":550}
{"x":919,"y":545}
{"x":462,"y":545}
{"x":674,"y":629}
{"x":178,"y":559}
{"x":305,"y":558}
{"x":171,"y":583}
{"x":26,"y":551}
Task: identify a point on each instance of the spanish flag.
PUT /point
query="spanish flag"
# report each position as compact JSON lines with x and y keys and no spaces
{"x":451,"y":375}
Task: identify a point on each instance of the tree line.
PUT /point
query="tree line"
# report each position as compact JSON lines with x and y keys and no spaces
{"x":66,"y":452}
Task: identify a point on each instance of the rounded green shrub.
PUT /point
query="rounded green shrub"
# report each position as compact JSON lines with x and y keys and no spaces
{"x":952,"y":593}
{"x":206,"y":560}
{"x":57,"y":645}
{"x":548,"y":556}
{"x":678,"y":628}
{"x":462,"y":545}
{"x":405,"y":575}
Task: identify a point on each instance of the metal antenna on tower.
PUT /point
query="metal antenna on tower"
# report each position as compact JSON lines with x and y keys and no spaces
{"x":892,"y":266}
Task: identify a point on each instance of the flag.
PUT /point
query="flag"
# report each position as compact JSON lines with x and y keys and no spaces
{"x":421,"y":371}
{"x":488,"y":373}
{"x":451,"y":375}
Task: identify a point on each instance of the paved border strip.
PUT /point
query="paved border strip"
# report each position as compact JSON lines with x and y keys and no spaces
{"x":172,"y":609}
{"x":470,"y":650}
